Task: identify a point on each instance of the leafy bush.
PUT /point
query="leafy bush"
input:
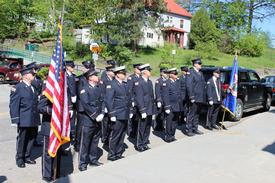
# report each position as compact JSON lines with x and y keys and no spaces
{"x":207,"y":50}
{"x":252,"y":45}
{"x":119,"y":53}
{"x":166,"y":55}
{"x":43,"y":73}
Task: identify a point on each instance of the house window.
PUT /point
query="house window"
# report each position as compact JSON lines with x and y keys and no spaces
{"x":150,"y":35}
{"x":181,"y":24}
{"x":171,"y":19}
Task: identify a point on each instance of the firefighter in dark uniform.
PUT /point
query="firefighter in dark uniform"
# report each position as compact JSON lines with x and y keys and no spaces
{"x":23,"y":112}
{"x":71,"y":83}
{"x":45,"y":108}
{"x":172,"y":104}
{"x":106,"y":121}
{"x":145,"y":104}
{"x":118,"y":103}
{"x":196,"y":93}
{"x":214,"y":99}
{"x":159,"y":85}
{"x":92,"y":102}
{"x":133,"y":122}
{"x":104,"y":75}
{"x":81,"y":82}
{"x":184,"y":97}
{"x":37,"y":83}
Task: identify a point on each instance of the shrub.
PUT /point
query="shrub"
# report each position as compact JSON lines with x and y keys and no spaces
{"x":207,"y":50}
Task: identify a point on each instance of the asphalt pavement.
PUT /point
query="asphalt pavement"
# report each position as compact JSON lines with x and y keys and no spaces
{"x":244,"y":153}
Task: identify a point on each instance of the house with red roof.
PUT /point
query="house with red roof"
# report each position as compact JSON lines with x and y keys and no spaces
{"x":176,"y":25}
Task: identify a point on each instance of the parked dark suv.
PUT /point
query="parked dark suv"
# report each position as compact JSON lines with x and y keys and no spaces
{"x":253,"y":92}
{"x":270,"y":80}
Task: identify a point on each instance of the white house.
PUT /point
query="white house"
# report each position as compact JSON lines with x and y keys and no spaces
{"x":176,"y":27}
{"x":176,"y":23}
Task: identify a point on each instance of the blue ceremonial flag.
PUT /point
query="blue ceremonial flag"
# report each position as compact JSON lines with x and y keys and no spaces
{"x":229,"y":103}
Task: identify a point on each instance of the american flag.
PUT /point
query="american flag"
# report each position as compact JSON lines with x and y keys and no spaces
{"x":56,"y":92}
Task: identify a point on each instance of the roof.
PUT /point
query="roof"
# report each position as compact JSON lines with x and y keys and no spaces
{"x":174,"y":29}
{"x":173,"y":7}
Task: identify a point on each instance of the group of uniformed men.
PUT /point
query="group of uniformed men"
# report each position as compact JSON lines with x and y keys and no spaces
{"x":111,"y":107}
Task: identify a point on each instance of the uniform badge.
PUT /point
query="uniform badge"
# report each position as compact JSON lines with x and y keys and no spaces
{"x":164,"y":84}
{"x":82,"y":91}
{"x":157,"y":81}
{"x":208,"y":82}
{"x":13,"y":89}
{"x":108,"y":86}
{"x":136,"y":83}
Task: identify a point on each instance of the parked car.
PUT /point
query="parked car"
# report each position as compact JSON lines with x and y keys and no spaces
{"x":9,"y":69}
{"x":253,"y":92}
{"x":270,"y":80}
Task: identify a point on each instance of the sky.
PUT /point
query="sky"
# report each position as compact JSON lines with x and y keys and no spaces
{"x":268,"y":25}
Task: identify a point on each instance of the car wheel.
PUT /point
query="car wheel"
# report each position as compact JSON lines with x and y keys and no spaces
{"x":238,"y":112}
{"x":2,"y":78}
{"x":267,"y":103}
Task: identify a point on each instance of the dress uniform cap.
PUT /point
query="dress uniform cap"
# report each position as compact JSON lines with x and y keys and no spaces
{"x":111,"y":62}
{"x":217,"y":70}
{"x":109,"y":67}
{"x":136,"y":65}
{"x":184,"y":68}
{"x":172,"y":71}
{"x":27,"y":70}
{"x":120,"y":69}
{"x":90,"y":72}
{"x":163,"y":69}
{"x":32,"y":65}
{"x":145,"y":67}
{"x":88,"y":64}
{"x":196,"y":61}
{"x":70,"y":63}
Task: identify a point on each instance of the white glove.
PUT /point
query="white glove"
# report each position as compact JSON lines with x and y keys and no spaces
{"x":211,"y":102}
{"x":133,"y":104}
{"x":71,"y":113}
{"x":99,"y":118}
{"x":73,"y":99}
{"x":131,"y":115}
{"x":143,"y":115}
{"x":167,"y":111}
{"x":153,"y":117}
{"x":113,"y":119}
{"x":105,"y":110}
{"x":14,"y":125}
{"x":192,"y":101}
{"x":159,"y":105}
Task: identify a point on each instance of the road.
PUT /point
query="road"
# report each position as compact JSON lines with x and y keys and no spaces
{"x":244,"y":153}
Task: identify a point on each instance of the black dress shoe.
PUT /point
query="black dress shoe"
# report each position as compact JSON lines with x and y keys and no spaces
{"x":173,"y":139}
{"x":140,"y":149}
{"x":21,"y":165}
{"x":82,"y":168}
{"x":215,"y":127}
{"x":32,"y":162}
{"x":198,"y":132}
{"x":146,"y":147}
{"x":190,"y":134}
{"x":112,"y":158}
{"x":96,"y":163}
{"x":209,"y":128}
{"x":47,"y":179}
{"x":120,"y":157}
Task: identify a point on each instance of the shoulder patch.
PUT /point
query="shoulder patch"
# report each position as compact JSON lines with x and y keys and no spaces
{"x":129,"y":78}
{"x":136,"y":83}
{"x":109,"y":86}
{"x":82,"y":91}
{"x":208,"y":82}
{"x":157,"y":81}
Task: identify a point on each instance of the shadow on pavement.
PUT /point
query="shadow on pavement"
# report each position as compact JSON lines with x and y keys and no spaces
{"x":2,"y":178}
{"x":270,"y":148}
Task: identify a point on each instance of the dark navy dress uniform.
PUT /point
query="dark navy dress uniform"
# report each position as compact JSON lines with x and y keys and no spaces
{"x":106,"y":126}
{"x":118,"y":103}
{"x":133,"y":123}
{"x":145,"y":104}
{"x":45,"y":108}
{"x":23,"y":112}
{"x":184,"y":97}
{"x":92,"y":102}
{"x":160,"y":84}
{"x":196,"y":93}
{"x":172,"y":102}
{"x":72,"y":92}
{"x":213,"y":93}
